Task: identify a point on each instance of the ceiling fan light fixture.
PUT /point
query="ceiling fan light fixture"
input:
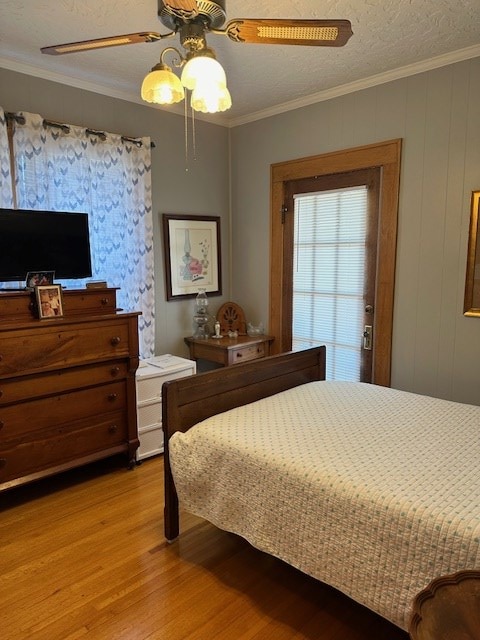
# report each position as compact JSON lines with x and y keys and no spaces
{"x":210,"y":97}
{"x":201,"y":67}
{"x":162,"y":86}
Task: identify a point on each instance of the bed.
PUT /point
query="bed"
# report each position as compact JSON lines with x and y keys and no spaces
{"x":371,"y":490}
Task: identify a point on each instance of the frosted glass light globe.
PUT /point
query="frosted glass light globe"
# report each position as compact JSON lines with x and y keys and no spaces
{"x":162,"y":87}
{"x":210,"y":97}
{"x":201,"y":68}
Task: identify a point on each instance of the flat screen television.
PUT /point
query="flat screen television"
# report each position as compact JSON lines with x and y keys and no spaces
{"x":44,"y":241}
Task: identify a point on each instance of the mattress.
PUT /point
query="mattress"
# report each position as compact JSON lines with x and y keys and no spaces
{"x":371,"y":490}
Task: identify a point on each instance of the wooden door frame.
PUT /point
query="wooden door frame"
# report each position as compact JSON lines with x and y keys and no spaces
{"x":385,"y":155}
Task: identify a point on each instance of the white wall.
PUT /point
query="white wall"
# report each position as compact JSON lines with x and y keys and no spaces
{"x":436,"y":350}
{"x":203,"y":189}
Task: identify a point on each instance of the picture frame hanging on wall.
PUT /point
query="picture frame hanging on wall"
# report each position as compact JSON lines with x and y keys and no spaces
{"x":192,"y":255}
{"x":471,"y":305}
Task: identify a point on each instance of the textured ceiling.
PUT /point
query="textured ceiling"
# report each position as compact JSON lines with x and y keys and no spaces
{"x":392,"y":38}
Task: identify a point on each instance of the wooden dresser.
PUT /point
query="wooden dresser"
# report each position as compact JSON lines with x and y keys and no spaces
{"x":67,"y":385}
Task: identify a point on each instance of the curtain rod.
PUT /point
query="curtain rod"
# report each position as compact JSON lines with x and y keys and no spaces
{"x":66,"y":129}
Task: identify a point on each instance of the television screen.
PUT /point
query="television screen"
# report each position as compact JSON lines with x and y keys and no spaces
{"x":43,"y":241}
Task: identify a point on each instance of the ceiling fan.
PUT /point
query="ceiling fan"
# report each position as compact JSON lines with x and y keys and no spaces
{"x":191,"y":19}
{"x":202,"y":74}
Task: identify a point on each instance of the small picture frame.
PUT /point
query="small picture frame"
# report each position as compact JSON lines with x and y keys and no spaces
{"x":39,"y":278}
{"x":49,"y":301}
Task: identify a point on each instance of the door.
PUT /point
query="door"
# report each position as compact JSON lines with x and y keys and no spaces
{"x":331,"y":230}
{"x":381,"y":161}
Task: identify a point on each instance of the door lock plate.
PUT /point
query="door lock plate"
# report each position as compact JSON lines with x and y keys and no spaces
{"x":368,"y":337}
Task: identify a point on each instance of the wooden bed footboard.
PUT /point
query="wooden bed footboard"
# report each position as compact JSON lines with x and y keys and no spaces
{"x":187,"y":401}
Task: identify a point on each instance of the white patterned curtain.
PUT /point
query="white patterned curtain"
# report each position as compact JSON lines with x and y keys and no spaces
{"x":69,"y":169}
{"x":6,"y":188}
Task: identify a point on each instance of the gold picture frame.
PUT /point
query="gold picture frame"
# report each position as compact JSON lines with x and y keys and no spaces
{"x":49,"y":301}
{"x":471,"y":305}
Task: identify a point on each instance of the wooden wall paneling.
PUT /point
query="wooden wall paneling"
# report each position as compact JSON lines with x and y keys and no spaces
{"x":435,"y":174}
{"x":467,"y":339}
{"x":451,"y":315}
{"x":390,"y":108}
{"x":409,"y":228}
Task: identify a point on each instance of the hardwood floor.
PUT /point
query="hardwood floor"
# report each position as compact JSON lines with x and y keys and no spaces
{"x":82,"y":555}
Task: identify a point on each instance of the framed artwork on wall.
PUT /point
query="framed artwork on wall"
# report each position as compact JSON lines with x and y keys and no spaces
{"x":192,"y":255}
{"x":49,"y":301}
{"x":471,"y":305}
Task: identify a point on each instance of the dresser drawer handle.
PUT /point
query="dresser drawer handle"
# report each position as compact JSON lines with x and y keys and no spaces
{"x":3,"y":463}
{"x":112,"y":428}
{"x":115,"y":340}
{"x":1,"y":393}
{"x":112,"y":397}
{"x":239,"y":355}
{"x":115,"y":371}
{"x":104,"y":301}
{"x":2,"y":424}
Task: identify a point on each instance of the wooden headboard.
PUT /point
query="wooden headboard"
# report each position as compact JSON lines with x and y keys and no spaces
{"x":187,"y":401}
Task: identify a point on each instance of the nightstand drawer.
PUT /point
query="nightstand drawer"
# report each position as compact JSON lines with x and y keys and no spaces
{"x":249,"y":353}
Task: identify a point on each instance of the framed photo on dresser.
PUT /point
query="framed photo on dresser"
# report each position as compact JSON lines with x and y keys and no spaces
{"x":49,"y":301}
{"x":37,"y":278}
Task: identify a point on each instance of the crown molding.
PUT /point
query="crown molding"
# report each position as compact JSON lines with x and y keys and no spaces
{"x":223,"y":120}
{"x":86,"y":85}
{"x":381,"y":78}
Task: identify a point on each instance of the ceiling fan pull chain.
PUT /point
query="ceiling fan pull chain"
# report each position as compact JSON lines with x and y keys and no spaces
{"x":186,"y":135}
{"x":194,"y":137}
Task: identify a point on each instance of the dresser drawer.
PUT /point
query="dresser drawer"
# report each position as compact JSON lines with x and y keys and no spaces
{"x":31,"y":387}
{"x":17,"y":420}
{"x":18,"y":306}
{"x":61,"y":445}
{"x":22,"y":305}
{"x":26,"y":350}
{"x":90,"y":302}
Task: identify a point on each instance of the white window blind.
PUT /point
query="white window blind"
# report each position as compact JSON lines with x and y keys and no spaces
{"x":328,"y":278}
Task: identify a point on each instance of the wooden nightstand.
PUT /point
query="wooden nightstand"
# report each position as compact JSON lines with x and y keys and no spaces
{"x":227,"y":351}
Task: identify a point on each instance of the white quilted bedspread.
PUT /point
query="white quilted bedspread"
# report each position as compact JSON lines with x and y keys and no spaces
{"x":371,"y":490}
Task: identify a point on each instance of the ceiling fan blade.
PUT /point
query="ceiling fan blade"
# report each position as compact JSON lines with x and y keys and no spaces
{"x":326,"y":33}
{"x":101,"y":43}
{"x":183,"y":9}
